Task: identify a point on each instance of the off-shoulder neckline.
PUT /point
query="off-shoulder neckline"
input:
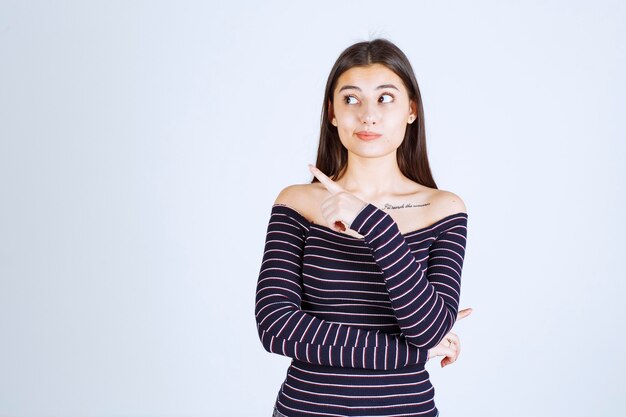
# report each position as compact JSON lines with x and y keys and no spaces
{"x":409,"y":233}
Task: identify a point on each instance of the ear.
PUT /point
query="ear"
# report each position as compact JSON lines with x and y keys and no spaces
{"x":331,"y":114}
{"x":412,"y":111}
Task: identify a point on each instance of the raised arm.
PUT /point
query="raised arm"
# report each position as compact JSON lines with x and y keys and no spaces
{"x":285,"y":329}
{"x":424,"y":293}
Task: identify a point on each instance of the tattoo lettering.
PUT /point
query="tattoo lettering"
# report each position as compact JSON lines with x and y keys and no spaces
{"x":403,"y":205}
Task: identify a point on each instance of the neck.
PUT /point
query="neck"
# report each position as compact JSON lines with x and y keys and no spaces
{"x":372,"y":178}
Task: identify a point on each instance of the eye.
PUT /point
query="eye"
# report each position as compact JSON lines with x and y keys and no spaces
{"x":347,"y":98}
{"x":386,"y":95}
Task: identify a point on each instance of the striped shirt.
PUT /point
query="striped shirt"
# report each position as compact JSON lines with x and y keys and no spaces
{"x":358,"y":315}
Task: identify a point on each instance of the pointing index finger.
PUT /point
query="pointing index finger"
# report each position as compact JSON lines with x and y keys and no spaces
{"x":330,"y":185}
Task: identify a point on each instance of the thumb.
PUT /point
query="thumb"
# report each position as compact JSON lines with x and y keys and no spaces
{"x":464,"y":313}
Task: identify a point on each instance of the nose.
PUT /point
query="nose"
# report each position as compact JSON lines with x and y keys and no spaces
{"x":369,"y":115}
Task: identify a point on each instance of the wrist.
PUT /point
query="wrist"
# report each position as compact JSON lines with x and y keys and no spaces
{"x":359,"y":211}
{"x":364,"y":219}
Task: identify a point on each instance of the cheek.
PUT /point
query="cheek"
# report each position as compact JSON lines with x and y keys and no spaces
{"x":396,"y":116}
{"x":347,"y":122}
{"x":399,"y":122}
{"x":347,"y":117}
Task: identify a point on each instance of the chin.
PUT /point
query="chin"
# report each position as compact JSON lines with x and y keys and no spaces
{"x":372,"y":153}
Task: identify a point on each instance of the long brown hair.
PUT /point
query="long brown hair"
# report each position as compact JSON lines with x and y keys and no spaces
{"x":332,"y":156}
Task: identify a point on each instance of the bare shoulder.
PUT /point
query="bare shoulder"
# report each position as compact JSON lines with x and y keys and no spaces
{"x":296,"y":194}
{"x":301,"y":197}
{"x":448,"y":203}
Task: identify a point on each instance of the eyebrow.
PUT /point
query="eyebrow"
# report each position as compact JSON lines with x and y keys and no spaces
{"x":354,"y":87}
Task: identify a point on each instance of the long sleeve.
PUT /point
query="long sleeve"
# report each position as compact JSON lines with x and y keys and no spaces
{"x":424,"y":294}
{"x":287,"y":330}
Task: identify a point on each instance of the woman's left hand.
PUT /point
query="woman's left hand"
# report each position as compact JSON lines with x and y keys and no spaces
{"x":342,"y":207}
{"x":449,"y":348}
{"x":450,"y":345}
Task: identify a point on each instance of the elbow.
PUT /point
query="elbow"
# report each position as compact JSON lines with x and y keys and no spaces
{"x":272,"y":320}
{"x":265,"y":338}
{"x":266,"y":329}
{"x":261,"y":330}
{"x":266,"y":342}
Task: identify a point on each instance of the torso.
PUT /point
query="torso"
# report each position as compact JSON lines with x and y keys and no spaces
{"x":340,"y":283}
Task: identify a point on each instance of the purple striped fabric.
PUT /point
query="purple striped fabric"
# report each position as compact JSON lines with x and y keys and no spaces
{"x":358,"y":315}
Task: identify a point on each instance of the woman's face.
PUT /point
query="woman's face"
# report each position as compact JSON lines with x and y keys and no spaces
{"x":371,"y":110}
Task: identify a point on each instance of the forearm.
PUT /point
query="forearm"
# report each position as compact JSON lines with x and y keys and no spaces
{"x":304,"y":337}
{"x":287,"y":330}
{"x":425,"y":310}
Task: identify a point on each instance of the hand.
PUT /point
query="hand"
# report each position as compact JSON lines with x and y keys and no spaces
{"x":450,"y":345}
{"x":342,"y":207}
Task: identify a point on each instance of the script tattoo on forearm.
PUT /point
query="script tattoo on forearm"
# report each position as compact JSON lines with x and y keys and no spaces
{"x":403,"y":205}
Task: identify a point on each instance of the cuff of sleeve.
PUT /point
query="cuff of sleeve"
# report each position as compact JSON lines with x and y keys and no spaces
{"x":367,"y":219}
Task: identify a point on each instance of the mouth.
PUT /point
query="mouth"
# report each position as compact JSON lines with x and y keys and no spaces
{"x":367,"y":135}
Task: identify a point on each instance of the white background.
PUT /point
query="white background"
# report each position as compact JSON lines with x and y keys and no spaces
{"x":142,"y":145}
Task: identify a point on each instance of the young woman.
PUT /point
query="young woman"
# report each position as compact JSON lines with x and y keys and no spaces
{"x":361,"y":274}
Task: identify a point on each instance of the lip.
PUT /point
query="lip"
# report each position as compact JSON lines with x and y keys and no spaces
{"x":367,"y":135}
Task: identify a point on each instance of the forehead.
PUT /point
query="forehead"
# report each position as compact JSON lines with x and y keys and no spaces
{"x":369,"y":77}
